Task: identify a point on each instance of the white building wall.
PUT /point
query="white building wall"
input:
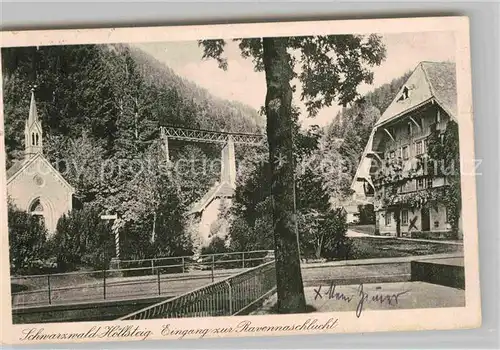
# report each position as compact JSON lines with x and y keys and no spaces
{"x":54,"y":195}
{"x":438,"y":225}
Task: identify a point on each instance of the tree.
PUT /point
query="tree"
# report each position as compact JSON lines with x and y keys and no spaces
{"x":172,"y":239}
{"x":253,"y":234}
{"x":444,"y":161}
{"x":323,"y":234}
{"x":321,"y":228}
{"x":158,"y":230}
{"x":251,"y":223}
{"x":80,"y":161}
{"x":27,"y":235}
{"x":336,"y":245}
{"x":366,"y":214}
{"x":83,"y":238}
{"x":151,"y":210}
{"x":311,"y":235}
{"x":331,"y":68}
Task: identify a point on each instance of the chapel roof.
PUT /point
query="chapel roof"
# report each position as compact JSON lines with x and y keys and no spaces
{"x":15,"y":168}
{"x":19,"y":167}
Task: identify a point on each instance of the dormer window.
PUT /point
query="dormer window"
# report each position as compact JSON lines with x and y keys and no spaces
{"x":404,"y":94}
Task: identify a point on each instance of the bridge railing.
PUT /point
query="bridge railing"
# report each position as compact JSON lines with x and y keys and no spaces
{"x":143,"y":278}
{"x":205,"y":262}
{"x":231,"y":296}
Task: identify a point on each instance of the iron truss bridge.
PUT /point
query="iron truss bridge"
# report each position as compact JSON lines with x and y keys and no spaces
{"x":199,"y":135}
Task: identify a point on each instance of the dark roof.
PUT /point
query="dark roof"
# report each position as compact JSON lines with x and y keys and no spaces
{"x":15,"y":168}
{"x":219,"y":190}
{"x":442,"y":79}
{"x":429,"y":80}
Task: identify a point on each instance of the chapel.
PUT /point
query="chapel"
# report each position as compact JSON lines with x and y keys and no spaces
{"x":33,"y":184}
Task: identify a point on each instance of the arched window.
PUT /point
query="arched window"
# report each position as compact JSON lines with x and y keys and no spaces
{"x":33,"y":139}
{"x":36,"y":139}
{"x":36,"y":207}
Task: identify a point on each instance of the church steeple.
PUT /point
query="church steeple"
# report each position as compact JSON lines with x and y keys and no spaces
{"x":33,"y":131}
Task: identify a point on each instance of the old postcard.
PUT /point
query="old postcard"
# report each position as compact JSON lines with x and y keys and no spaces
{"x":238,"y":180}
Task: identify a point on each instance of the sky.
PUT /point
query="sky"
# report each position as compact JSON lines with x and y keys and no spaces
{"x":241,"y":83}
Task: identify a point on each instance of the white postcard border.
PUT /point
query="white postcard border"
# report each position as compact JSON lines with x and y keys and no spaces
{"x":371,"y":321}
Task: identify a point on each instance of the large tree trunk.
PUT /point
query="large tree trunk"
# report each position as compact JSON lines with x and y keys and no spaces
{"x":290,"y":288}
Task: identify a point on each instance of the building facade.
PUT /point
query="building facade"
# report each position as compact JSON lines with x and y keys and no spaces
{"x":425,"y":105}
{"x":33,"y":184}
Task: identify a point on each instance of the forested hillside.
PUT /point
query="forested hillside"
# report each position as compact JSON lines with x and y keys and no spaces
{"x":111,"y":92}
{"x":223,"y":114}
{"x":349,"y":131}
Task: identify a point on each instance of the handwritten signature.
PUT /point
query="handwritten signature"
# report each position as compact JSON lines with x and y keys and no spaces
{"x":361,"y":297}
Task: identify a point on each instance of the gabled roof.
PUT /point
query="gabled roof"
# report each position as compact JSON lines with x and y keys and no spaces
{"x":219,"y":190}
{"x":429,"y":81}
{"x":15,"y":168}
{"x":19,"y":166}
{"x":443,"y":82}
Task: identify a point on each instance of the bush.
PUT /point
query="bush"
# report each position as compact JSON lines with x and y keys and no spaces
{"x":217,"y":245}
{"x":254,"y":235}
{"x":336,"y":245}
{"x":366,"y":214}
{"x":82,"y":238}
{"x":27,"y":236}
{"x":323,"y":235}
